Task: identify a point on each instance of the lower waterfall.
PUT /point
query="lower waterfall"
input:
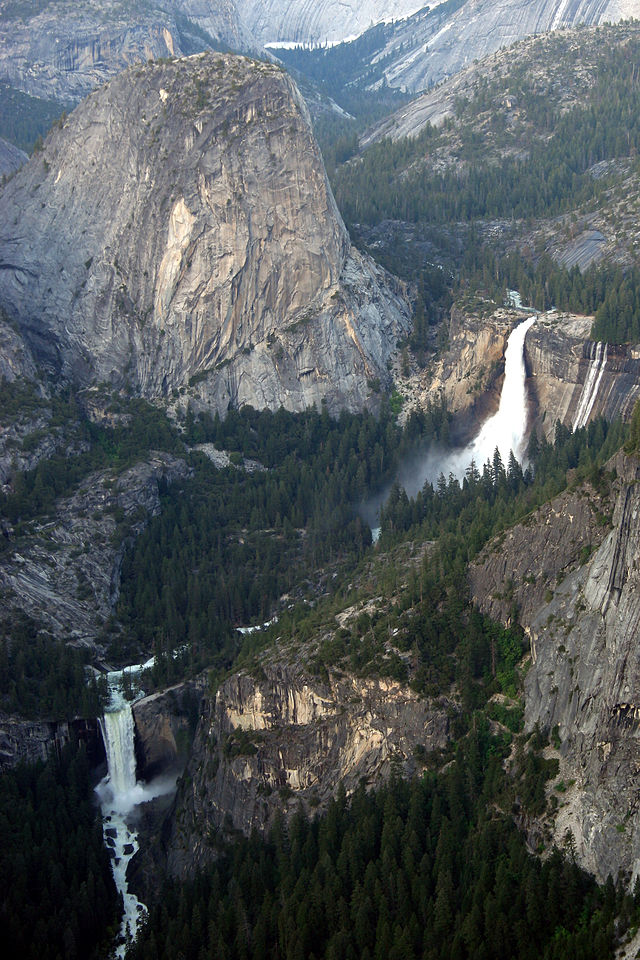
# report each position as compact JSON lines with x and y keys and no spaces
{"x":591,"y":385}
{"x":117,"y":733}
{"x":119,"y":794}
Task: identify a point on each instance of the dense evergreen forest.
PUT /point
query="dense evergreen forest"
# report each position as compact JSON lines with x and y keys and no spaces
{"x":496,"y":163}
{"x":57,"y":898}
{"x":41,"y":676}
{"x":229,"y":543}
{"x":553,"y":176}
{"x":26,"y":120}
{"x":435,"y":869}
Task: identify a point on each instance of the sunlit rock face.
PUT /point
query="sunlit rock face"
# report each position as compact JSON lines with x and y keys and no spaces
{"x":179,"y":232}
{"x":316,"y":21}
{"x":438,"y":43}
{"x":573,"y":378}
{"x":265,"y":745}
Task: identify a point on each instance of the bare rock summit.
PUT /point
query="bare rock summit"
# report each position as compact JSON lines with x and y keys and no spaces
{"x":178,"y":234}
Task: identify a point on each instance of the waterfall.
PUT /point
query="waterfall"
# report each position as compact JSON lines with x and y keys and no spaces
{"x":120,"y":793}
{"x":598,"y":361}
{"x":117,"y":733}
{"x":506,"y":429}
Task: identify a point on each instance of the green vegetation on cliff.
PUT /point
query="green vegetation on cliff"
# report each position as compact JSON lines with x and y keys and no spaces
{"x":41,"y":676}
{"x":230,"y":543}
{"x":541,"y":147}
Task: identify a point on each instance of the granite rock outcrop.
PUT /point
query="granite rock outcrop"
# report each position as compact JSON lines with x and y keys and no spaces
{"x":165,"y":723}
{"x":437,"y":43}
{"x":11,"y":158}
{"x":266,"y":744}
{"x":32,"y":741}
{"x":64,"y":50}
{"x":66,"y":572}
{"x":560,"y":356}
{"x":581,"y":614}
{"x":212,"y":259}
{"x":316,"y":21}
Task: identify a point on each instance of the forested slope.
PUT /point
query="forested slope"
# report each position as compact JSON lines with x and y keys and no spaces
{"x":533,"y":148}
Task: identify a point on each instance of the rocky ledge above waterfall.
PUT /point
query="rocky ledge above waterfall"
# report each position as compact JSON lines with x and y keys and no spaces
{"x":467,"y":375}
{"x":559,"y":353}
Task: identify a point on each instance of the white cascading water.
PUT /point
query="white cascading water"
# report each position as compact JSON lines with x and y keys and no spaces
{"x":506,"y":429}
{"x":120,"y":793}
{"x":598,"y":362}
{"x":117,"y":733}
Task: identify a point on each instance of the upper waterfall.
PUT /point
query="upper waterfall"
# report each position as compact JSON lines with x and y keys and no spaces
{"x":506,"y":429}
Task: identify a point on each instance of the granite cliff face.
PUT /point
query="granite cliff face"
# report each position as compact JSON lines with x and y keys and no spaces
{"x":582,"y":619}
{"x":467,"y":375}
{"x":11,"y":159}
{"x":315,"y":21}
{"x":67,"y":49}
{"x":264,"y":746}
{"x":164,"y":726}
{"x":211,"y":256}
{"x":31,"y":741}
{"x":571,"y":376}
{"x":66,"y":571}
{"x":435,"y":44}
